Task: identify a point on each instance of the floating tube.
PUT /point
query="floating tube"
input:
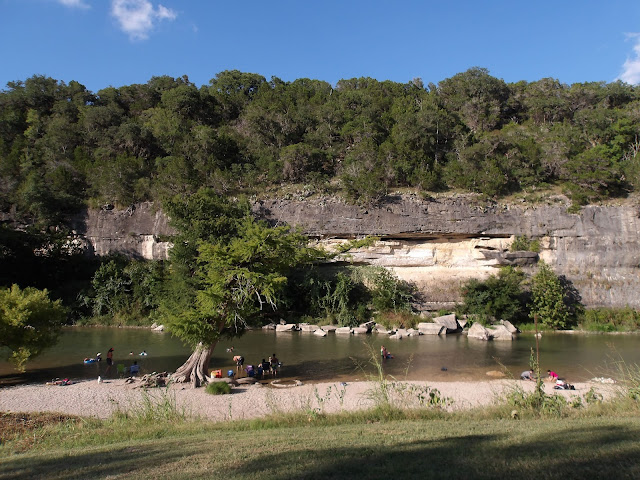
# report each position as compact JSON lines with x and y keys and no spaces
{"x":276,"y":383}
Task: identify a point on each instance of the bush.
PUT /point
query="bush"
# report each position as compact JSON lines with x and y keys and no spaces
{"x":499,"y":296}
{"x":524,"y":243}
{"x":218,"y":388}
{"x":610,"y":319}
{"x":549,"y":299}
{"x":404,"y":319}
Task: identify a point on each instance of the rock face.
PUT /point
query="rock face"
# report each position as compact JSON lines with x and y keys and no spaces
{"x":448,"y":321}
{"x":477,"y":331}
{"x":305,"y":327}
{"x":437,"y":244}
{"x":288,"y":327}
{"x":136,"y":232}
{"x":500,"y":332}
{"x":440,"y":243}
{"x":431,"y":328}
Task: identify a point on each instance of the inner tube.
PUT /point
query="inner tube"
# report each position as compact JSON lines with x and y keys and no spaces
{"x":276,"y":383}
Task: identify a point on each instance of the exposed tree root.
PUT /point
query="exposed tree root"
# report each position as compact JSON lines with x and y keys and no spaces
{"x":196,"y":367}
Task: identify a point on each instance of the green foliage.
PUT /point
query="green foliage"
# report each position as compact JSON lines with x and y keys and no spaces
{"x":524,"y":243}
{"x":538,"y":402}
{"x":610,"y":319}
{"x":349,"y":296}
{"x":62,"y":146}
{"x":238,"y":281}
{"x":125,"y":291}
{"x":29,"y":322}
{"x":389,"y":395}
{"x":548,"y":299}
{"x":355,"y":244}
{"x":388,"y":293}
{"x":218,"y":388}
{"x":400,"y":319}
{"x":155,"y":407}
{"x":500,"y":297}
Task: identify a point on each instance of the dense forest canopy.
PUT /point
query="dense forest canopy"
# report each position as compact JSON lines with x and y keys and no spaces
{"x":63,"y":147}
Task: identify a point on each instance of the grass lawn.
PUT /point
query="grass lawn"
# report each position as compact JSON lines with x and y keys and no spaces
{"x":360,"y":446}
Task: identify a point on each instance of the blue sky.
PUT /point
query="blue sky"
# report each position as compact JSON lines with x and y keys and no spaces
{"x":102,"y":43}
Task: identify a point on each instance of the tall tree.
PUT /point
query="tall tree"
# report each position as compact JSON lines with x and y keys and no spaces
{"x":237,"y":282}
{"x":547,"y":299}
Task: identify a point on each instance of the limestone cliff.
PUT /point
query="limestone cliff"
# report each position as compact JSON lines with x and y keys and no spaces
{"x":138,"y":232}
{"x":436,"y":243}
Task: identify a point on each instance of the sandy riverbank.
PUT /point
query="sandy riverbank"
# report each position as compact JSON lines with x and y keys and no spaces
{"x":100,"y":400}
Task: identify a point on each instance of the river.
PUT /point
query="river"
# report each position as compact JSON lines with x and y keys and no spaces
{"x":304,"y":356}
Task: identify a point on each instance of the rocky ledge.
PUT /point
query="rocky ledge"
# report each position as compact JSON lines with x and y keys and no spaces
{"x":436,"y":243}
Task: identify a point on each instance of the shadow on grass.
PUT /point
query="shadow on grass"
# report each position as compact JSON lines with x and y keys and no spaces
{"x":580,"y":453}
{"x":601,"y":451}
{"x":113,"y":463}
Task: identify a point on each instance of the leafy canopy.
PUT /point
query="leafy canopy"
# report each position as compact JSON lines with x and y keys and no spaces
{"x":498,"y":296}
{"x":548,"y":299}
{"x":29,"y":322}
{"x":239,"y":280}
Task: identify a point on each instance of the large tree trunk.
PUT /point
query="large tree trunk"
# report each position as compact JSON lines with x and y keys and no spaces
{"x":195,"y":369}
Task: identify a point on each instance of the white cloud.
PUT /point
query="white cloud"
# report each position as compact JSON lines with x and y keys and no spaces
{"x":631,"y":68}
{"x":138,"y":17}
{"x":73,"y":3}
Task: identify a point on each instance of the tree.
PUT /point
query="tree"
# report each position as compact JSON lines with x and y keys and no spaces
{"x":237,"y":281}
{"x":29,"y":322}
{"x":498,"y":296}
{"x":547,"y":299}
{"x":477,"y":97}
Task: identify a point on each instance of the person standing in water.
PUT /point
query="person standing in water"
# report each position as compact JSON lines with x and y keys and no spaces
{"x":109,"y":361}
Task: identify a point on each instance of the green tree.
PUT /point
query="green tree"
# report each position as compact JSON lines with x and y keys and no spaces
{"x":477,"y":97}
{"x":500,"y":296}
{"x":237,"y":282}
{"x":548,"y":299}
{"x":29,"y":322}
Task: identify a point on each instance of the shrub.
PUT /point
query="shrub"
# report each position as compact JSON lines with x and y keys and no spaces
{"x":218,"y":388}
{"x":498,"y":296}
{"x":610,"y":319}
{"x":404,"y":319}
{"x":524,"y":243}
{"x":548,"y":299}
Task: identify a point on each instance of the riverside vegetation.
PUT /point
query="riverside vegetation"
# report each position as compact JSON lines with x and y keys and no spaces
{"x":203,"y":153}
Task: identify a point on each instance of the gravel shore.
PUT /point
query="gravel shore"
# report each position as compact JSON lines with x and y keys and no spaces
{"x":90,"y":398}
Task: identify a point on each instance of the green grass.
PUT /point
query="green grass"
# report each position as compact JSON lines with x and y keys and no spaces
{"x":366,"y":447}
{"x":218,"y":388}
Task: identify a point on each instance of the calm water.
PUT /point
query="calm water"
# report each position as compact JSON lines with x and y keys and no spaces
{"x":337,"y":357}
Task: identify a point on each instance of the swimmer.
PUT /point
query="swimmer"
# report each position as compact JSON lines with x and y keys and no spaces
{"x":143,"y":353}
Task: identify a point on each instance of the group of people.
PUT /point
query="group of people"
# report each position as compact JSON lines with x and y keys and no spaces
{"x":132,"y":369}
{"x":265,"y":367}
{"x":552,"y":376}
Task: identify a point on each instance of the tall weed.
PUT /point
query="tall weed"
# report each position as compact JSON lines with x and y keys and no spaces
{"x":389,"y":394}
{"x":160,"y":406}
